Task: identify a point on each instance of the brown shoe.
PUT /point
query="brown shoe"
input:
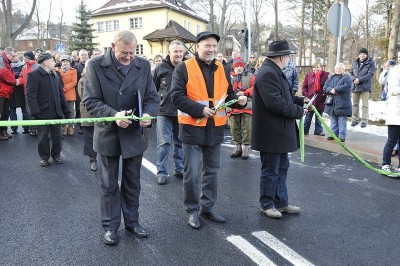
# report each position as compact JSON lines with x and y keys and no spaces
{"x":64,"y":131}
{"x":71,"y":131}
{"x":44,"y":163}
{"x":237,"y":151}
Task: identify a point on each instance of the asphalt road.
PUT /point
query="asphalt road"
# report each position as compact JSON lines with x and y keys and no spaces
{"x":51,"y":216}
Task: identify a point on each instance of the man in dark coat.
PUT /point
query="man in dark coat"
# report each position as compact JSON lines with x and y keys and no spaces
{"x":198,"y":85}
{"x":361,"y":73}
{"x":45,"y":100}
{"x":274,"y":128}
{"x":118,"y":83}
{"x":167,"y":119}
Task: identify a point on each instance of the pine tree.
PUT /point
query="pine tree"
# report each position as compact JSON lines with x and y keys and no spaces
{"x":82,"y":32}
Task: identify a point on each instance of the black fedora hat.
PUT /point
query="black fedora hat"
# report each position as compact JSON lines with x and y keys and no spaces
{"x":278,"y":48}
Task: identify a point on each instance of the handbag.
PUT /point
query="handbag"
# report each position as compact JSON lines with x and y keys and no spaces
{"x":329,"y":100}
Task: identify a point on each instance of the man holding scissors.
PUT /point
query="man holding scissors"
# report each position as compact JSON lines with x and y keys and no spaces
{"x":118,"y":83}
{"x":199,"y":86}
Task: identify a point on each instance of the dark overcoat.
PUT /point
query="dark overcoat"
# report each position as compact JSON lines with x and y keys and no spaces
{"x":108,"y":92}
{"x":342,"y":100}
{"x":364,"y":71}
{"x":275,"y":111}
{"x":44,"y":96}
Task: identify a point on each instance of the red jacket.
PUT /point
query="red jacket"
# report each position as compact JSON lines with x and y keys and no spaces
{"x":7,"y":76}
{"x":239,"y":86}
{"x":29,"y":66}
{"x":308,"y":89}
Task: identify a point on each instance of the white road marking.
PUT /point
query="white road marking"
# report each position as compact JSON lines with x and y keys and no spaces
{"x":151,"y":167}
{"x":281,"y":249}
{"x":253,"y":253}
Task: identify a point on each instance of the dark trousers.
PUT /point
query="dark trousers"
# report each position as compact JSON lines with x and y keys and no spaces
{"x":47,"y":147}
{"x":88,"y":142}
{"x":393,"y":139}
{"x":13,"y":116}
{"x":307,"y":123}
{"x":273,"y":190}
{"x":4,"y":112}
{"x":113,"y":200}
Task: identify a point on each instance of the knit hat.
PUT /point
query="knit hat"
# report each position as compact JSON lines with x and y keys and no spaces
{"x":65,"y":57}
{"x":43,"y":57}
{"x":238,"y":62}
{"x":363,"y":51}
{"x":29,"y":55}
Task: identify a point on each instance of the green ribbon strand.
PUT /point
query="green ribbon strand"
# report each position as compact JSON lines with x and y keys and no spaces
{"x":70,"y":121}
{"x":356,"y":156}
{"x":222,"y":106}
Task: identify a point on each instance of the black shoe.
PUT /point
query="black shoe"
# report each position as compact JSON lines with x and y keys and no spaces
{"x":319,"y":134}
{"x":342,"y":140}
{"x":330,"y":138}
{"x":58,"y":160}
{"x":194,"y":221}
{"x":305,"y":133}
{"x":162,"y":179}
{"x":213,"y":216}
{"x":137,"y":230}
{"x":178,"y":175}
{"x":26,"y":131}
{"x":363,"y":124}
{"x":44,"y":163}
{"x":80,"y":131}
{"x":14,"y":132}
{"x":354,"y":123}
{"x":110,"y":238}
{"x":33,"y":133}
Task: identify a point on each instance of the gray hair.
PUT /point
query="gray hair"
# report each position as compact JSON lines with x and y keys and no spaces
{"x":341,"y":65}
{"x":8,"y":50}
{"x":125,"y":37}
{"x":175,"y":42}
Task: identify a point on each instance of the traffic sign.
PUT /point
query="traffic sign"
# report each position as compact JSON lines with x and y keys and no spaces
{"x":60,"y":48}
{"x":339,"y":19}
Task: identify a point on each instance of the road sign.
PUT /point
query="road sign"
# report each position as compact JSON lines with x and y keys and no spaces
{"x":339,"y":19}
{"x":60,"y":48}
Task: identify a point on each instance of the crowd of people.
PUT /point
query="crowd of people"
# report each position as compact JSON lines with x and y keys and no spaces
{"x":185,"y":93}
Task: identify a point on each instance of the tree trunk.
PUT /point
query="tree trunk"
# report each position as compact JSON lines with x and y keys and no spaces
{"x":367,"y":24}
{"x":212,"y":15}
{"x":394,"y":31}
{"x":312,"y":33}
{"x":276,"y":19}
{"x":332,"y":44}
{"x":301,"y":50}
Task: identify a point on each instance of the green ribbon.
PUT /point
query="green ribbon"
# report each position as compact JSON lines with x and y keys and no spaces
{"x":356,"y":156}
{"x":301,"y":133}
{"x":222,"y":106}
{"x":70,"y":121}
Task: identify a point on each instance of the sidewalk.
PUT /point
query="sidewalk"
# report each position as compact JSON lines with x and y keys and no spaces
{"x":367,"y":145}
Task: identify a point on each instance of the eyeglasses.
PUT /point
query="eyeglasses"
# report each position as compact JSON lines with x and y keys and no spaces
{"x":252,"y":57}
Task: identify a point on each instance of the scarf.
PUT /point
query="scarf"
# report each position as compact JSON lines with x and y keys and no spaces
{"x":317,"y":82}
{"x":122,"y":69}
{"x":237,"y":82}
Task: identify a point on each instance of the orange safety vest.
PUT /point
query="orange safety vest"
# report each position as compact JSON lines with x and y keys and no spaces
{"x":197,"y":91}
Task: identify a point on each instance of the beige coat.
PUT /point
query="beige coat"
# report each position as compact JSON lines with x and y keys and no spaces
{"x":393,"y":101}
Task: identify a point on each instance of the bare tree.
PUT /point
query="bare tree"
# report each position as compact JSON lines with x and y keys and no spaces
{"x":394,"y":31}
{"x":8,"y":36}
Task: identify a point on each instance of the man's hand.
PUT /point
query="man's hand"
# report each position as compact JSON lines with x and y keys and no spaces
{"x":242,"y":100}
{"x":356,"y":81}
{"x":332,"y":91}
{"x":306,"y":100}
{"x":123,"y":123}
{"x":208,"y":112}
{"x":145,"y":123}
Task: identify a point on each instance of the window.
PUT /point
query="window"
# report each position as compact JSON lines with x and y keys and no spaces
{"x":197,"y":29}
{"x":135,"y":23}
{"x":186,"y":25}
{"x":139,"y":49}
{"x":30,"y":44}
{"x":107,"y":25}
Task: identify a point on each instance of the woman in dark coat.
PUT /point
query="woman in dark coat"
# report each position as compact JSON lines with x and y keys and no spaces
{"x":313,"y":83}
{"x":339,"y":85}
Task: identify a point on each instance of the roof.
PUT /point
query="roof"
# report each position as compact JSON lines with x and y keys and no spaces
{"x":173,"y":31}
{"x":126,"y":6}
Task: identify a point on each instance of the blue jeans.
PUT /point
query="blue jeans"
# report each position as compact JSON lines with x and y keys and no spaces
{"x":393,"y":139}
{"x":338,"y":125}
{"x":307,"y":123}
{"x":168,"y":131}
{"x":13,"y":116}
{"x":200,"y":179}
{"x":273,"y":190}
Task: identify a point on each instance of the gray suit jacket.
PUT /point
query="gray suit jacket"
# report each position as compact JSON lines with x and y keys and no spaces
{"x":108,"y":92}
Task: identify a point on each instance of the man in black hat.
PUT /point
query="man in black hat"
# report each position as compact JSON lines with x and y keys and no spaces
{"x":45,"y":100}
{"x":198,"y":85}
{"x":361,"y":72}
{"x":274,"y":129}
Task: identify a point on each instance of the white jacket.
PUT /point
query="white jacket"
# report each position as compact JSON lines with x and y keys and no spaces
{"x":393,"y":101}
